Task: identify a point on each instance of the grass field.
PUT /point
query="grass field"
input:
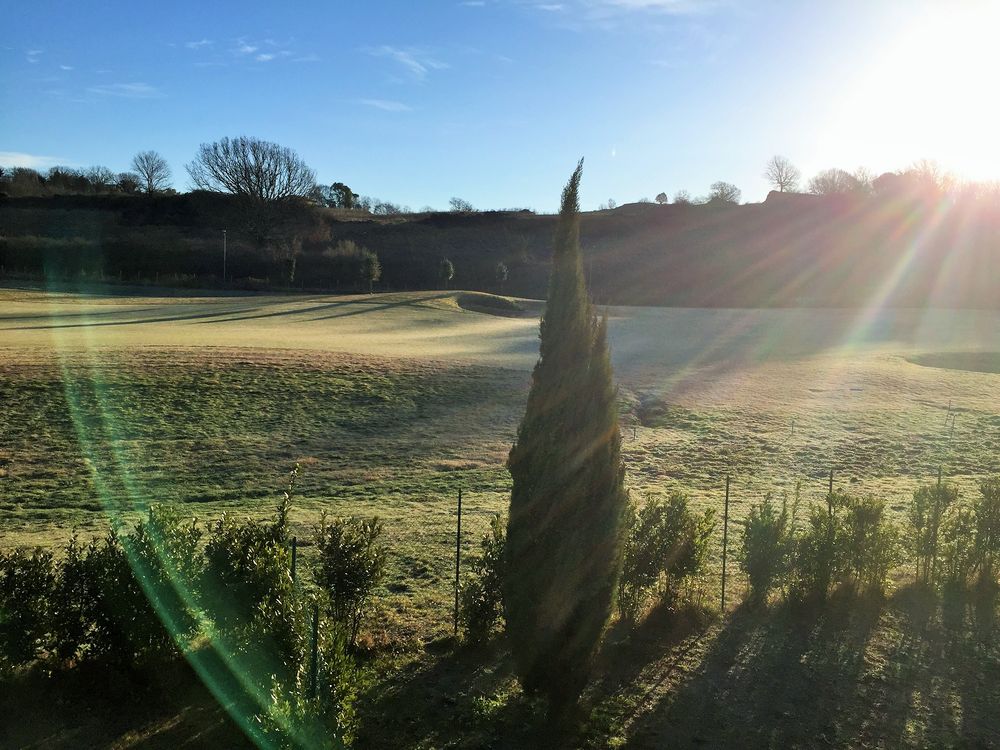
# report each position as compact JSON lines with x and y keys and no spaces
{"x":391,"y":403}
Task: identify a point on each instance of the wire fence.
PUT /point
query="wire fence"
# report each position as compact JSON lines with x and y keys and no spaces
{"x":431,"y":561}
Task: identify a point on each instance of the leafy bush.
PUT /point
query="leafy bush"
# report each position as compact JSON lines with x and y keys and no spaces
{"x":128,"y":595}
{"x":482,"y":594}
{"x":351,"y":566}
{"x":987,"y":512}
{"x":818,"y":559}
{"x":300,"y":716}
{"x":958,"y":546}
{"x":871,"y":543}
{"x":927,"y":511}
{"x":27,"y":582}
{"x":247,"y":565}
{"x":768,"y":543}
{"x":73,"y":590}
{"x":666,"y":543}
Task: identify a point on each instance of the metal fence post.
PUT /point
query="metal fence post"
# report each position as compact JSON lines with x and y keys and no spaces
{"x":314,"y":660}
{"x":458,"y":556}
{"x":725,"y":543}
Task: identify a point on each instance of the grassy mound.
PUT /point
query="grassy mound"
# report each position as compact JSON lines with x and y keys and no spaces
{"x":491,"y":304}
{"x":970,"y":361}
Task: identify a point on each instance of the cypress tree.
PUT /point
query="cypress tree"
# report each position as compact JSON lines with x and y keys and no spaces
{"x":564,"y":543}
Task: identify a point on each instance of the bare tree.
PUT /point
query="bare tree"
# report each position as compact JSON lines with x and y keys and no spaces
{"x":461,"y":205}
{"x":128,"y":182}
{"x":683,"y":198}
{"x":932,"y":175}
{"x":153,"y":170}
{"x":101,"y":179}
{"x":724,"y":192}
{"x":782,"y":174}
{"x":832,"y":182}
{"x":261,"y":174}
{"x":864,"y":180}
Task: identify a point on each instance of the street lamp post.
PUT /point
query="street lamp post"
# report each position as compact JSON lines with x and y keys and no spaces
{"x":224,"y":231}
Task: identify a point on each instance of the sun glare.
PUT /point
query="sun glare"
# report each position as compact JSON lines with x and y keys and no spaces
{"x":931,"y":94}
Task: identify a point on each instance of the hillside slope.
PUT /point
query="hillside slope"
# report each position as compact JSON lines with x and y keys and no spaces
{"x":791,"y":250}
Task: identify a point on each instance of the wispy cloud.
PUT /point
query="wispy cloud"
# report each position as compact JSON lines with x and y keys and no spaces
{"x":65,"y":67}
{"x":199,"y":44}
{"x":32,"y":55}
{"x":386,"y":105}
{"x":127,"y":90}
{"x":416,"y":62}
{"x":605,"y":12}
{"x":669,"y":7}
{"x":32,"y":161}
{"x":681,"y":7}
{"x":267,"y":50}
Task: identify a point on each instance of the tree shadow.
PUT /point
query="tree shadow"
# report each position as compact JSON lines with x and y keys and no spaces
{"x":770,"y":677}
{"x":465,"y":697}
{"x":95,"y":704}
{"x":914,"y":670}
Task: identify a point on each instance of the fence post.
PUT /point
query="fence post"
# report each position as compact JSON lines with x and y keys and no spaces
{"x":294,"y":555}
{"x":314,"y":660}
{"x":725,"y":544}
{"x":458,"y":555}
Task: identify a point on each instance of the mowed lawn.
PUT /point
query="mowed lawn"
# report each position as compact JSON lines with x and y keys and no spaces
{"x":391,"y":403}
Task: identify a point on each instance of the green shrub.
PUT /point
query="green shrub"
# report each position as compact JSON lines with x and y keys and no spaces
{"x":247,"y":565}
{"x":927,"y":511}
{"x":871,"y":543}
{"x":129,"y":595}
{"x":482,"y":594}
{"x":768,"y":543}
{"x":27,"y":582}
{"x":299,"y":716}
{"x":987,"y":512}
{"x":957,"y":546}
{"x":71,"y":624}
{"x":665,"y":544}
{"x":350,"y":568}
{"x":818,"y":559}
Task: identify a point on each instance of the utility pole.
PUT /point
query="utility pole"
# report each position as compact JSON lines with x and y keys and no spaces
{"x":224,"y":232}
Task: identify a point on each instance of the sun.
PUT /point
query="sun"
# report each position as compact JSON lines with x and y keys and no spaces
{"x":931,"y":94}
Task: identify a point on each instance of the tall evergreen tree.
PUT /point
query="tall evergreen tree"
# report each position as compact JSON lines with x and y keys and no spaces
{"x":564,"y":543}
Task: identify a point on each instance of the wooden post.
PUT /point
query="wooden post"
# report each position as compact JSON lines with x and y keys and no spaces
{"x":725,"y":543}
{"x":294,"y":555}
{"x":458,"y":556}
{"x":314,"y":660}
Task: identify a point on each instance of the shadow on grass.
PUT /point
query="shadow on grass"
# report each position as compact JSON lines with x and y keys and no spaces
{"x":853,"y":672}
{"x":96,"y":704}
{"x":463,"y":697}
{"x":916,"y":670}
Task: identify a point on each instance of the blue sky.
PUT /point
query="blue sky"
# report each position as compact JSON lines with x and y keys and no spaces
{"x":493,"y":100}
